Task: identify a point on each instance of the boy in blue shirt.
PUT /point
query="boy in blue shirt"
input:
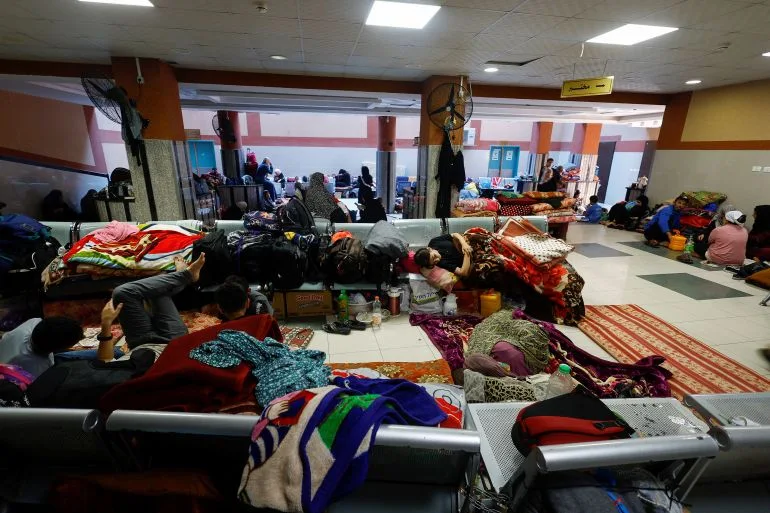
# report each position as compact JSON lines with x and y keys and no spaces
{"x":593,"y":213}
{"x":664,"y":222}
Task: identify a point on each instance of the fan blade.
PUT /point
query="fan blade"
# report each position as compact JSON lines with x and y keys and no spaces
{"x":450,"y":101}
{"x":96,"y":86}
{"x":437,"y":111}
{"x":455,"y":113}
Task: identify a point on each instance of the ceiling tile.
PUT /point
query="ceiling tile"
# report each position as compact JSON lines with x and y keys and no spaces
{"x":689,"y":39}
{"x":326,"y":46}
{"x":362,"y":71}
{"x":371,"y":62}
{"x":324,"y":69}
{"x":330,"y":30}
{"x":463,"y":20}
{"x":275,"y":9}
{"x":325,"y":58}
{"x":692,"y":12}
{"x":334,"y":10}
{"x":525,"y":24}
{"x":496,"y":42}
{"x":542,"y":46}
{"x":556,"y":7}
{"x":404,"y":74}
{"x":627,"y":11}
{"x":598,"y":51}
{"x":434,"y":38}
{"x":580,"y":30}
{"x":753,"y":19}
{"x":492,"y":5}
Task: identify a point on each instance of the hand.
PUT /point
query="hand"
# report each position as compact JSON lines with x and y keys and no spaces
{"x":700,"y":237}
{"x":467,"y":251}
{"x":110,"y":312}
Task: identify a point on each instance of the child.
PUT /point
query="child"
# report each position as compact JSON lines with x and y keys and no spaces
{"x":429,"y":260}
{"x":663,"y":224}
{"x":594,"y":211}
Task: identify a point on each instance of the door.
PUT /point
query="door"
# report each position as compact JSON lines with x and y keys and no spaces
{"x":604,"y":162}
{"x":648,"y":157}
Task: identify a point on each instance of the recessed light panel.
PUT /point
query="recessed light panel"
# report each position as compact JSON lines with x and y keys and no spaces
{"x":766,"y":54}
{"x":139,"y":3}
{"x":693,"y":82}
{"x":491,"y":69}
{"x":401,"y":15}
{"x":278,"y":57}
{"x":631,"y":34}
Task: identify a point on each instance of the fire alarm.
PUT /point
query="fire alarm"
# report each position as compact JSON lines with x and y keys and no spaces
{"x":261,"y":8}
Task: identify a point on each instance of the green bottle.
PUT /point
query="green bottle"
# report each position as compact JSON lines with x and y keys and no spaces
{"x":343,"y":315}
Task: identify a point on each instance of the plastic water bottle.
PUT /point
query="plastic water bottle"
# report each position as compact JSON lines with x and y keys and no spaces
{"x":560,"y":382}
{"x":343,"y":311}
{"x":376,"y":312}
{"x":689,"y":247}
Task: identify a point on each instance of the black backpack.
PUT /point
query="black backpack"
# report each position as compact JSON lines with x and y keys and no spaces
{"x":378,"y":268}
{"x":218,"y":260}
{"x":252,"y":255}
{"x":346,"y":261}
{"x":289,"y":265}
{"x":295,"y":217}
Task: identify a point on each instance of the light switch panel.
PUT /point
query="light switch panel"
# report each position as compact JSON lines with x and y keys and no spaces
{"x":766,"y":169}
{"x":757,"y":169}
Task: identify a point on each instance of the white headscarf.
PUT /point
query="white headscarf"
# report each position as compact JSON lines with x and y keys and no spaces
{"x":734,"y":217}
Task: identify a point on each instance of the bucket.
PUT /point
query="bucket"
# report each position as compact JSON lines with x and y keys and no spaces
{"x":491,"y":301}
{"x":677,"y":243}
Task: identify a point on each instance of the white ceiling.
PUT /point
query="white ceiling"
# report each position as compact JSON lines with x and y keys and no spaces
{"x":328,"y":37}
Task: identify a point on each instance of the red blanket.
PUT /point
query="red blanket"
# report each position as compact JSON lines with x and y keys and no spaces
{"x":178,"y":383}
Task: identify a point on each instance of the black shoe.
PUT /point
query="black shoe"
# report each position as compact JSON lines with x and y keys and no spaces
{"x":336,"y":328}
{"x":355,"y":325}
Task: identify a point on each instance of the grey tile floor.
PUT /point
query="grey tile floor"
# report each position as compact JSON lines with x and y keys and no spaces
{"x":693,"y":286}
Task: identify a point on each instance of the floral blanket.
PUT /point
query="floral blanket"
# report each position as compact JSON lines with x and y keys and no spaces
{"x":560,"y":284}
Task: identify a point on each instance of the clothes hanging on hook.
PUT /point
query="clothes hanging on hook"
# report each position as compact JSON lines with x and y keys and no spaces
{"x":450,"y":173}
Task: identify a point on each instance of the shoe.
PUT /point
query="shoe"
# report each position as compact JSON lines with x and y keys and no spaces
{"x":336,"y":328}
{"x":732,"y":268}
{"x":685,"y":258}
{"x":738,"y":277}
{"x":355,"y":325}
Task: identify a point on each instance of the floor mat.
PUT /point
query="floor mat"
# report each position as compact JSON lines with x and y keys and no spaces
{"x":297,"y":338}
{"x":692,"y":286}
{"x":434,"y":371}
{"x":593,"y":250}
{"x":629,"y":333}
{"x":671,"y":255}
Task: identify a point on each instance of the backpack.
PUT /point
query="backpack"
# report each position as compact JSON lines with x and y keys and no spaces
{"x":218,"y":260}
{"x":294,"y":216}
{"x":346,"y":261}
{"x":566,"y":419}
{"x":378,"y":268}
{"x":289,"y":265}
{"x":385,"y":239}
{"x":252,"y":255}
{"x":17,"y":226}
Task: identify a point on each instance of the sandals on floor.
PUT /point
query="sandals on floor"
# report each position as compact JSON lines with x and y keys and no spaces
{"x":355,"y":325}
{"x":685,"y":258}
{"x":336,"y":328}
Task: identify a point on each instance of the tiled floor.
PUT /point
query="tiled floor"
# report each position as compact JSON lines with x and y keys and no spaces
{"x":736,"y":326}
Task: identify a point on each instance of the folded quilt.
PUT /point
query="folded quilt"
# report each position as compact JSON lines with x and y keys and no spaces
{"x":311,"y":447}
{"x":539,"y":248}
{"x":152,"y":248}
{"x":478,"y":205}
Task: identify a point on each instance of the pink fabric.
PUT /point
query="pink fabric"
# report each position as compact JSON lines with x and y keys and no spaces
{"x":439,"y":278}
{"x":116,"y":231}
{"x":409,"y":265}
{"x":727,"y":245}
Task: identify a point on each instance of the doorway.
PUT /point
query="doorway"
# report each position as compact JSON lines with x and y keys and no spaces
{"x":604,"y":162}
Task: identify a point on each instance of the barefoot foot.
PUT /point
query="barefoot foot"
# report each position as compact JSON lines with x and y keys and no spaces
{"x":195,"y":267}
{"x":180,"y":264}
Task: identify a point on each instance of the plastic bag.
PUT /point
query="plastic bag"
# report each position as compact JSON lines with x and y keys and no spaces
{"x":424,"y":298}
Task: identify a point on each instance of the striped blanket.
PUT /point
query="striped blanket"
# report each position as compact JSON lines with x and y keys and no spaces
{"x":152,"y":248}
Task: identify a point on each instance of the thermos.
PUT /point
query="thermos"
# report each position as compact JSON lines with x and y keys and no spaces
{"x":394,"y":300}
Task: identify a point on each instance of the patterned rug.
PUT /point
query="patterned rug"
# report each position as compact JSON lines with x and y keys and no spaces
{"x":297,"y":338}
{"x":629,"y":333}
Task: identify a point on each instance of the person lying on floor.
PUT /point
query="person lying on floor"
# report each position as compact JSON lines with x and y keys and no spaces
{"x":445,"y":261}
{"x":726,"y":243}
{"x":148,"y":314}
{"x":235,"y":299}
{"x":33,"y":344}
{"x":661,"y":227}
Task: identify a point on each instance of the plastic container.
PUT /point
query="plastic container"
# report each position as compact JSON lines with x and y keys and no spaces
{"x":490,"y":301}
{"x":343,"y":312}
{"x":560,"y":382}
{"x":450,"y":305}
{"x":394,"y":300}
{"x":690,"y":246}
{"x":376,"y":313}
{"x":677,"y":243}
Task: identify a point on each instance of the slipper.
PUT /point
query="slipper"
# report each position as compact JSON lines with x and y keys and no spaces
{"x":355,"y":325}
{"x":685,"y":258}
{"x":336,"y":328}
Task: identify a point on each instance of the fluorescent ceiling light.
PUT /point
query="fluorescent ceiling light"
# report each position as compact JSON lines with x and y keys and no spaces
{"x":766,"y":54}
{"x":491,"y":70}
{"x":278,"y":57}
{"x":401,"y":15}
{"x":693,"y":82}
{"x":631,"y":34}
{"x":139,"y":3}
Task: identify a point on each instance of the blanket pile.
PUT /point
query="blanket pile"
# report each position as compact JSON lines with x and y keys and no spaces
{"x":553,"y":205}
{"x":311,"y":447}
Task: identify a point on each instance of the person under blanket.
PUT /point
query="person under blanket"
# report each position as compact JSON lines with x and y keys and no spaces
{"x":235,"y":300}
{"x":440,"y":261}
{"x":161,"y":323}
{"x":758,"y":246}
{"x":661,"y":227}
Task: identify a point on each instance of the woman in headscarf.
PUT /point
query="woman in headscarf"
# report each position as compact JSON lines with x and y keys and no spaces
{"x":365,"y":183}
{"x":372,"y":210}
{"x":758,"y":246}
{"x":727,"y":243}
{"x":702,"y":240}
{"x":322,"y":203}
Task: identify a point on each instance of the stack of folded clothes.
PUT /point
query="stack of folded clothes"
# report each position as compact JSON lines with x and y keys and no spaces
{"x":553,"y":205}
{"x":479,"y":207}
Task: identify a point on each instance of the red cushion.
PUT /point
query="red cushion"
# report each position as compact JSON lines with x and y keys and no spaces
{"x":176,"y":382}
{"x":408,"y":264}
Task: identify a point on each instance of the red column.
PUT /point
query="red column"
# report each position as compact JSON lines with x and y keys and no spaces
{"x":386,"y":136}
{"x":235,"y":121}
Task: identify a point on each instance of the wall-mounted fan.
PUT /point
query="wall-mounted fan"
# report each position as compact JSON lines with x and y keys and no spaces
{"x":113,"y":102}
{"x":224,"y":129}
{"x":450,"y":106}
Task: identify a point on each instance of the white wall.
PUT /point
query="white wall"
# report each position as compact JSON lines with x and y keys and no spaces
{"x":505,"y":130}
{"x":307,"y":124}
{"x":727,"y":171}
{"x":624,"y":171}
{"x":115,"y":155}
{"x":25,"y":186}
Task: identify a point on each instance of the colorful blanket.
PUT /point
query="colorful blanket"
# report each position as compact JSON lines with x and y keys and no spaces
{"x":311,"y":447}
{"x":152,"y":248}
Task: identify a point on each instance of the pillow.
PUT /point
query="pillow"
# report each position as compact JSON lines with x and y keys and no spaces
{"x":541,"y":195}
{"x":760,"y":279}
{"x":541,"y":207}
{"x":568,"y":202}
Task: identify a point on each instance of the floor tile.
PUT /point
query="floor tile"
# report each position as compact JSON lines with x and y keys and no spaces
{"x":355,"y":342}
{"x":751,"y":328}
{"x":401,"y":336}
{"x":357,"y":357}
{"x":411,"y":354}
{"x":747,"y":353}
{"x":319,"y":342}
{"x":693,"y":286}
{"x":671,"y":255}
{"x":714,"y":332}
{"x":594,"y":250}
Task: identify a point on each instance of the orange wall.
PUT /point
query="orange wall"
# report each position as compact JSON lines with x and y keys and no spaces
{"x":32,"y":126}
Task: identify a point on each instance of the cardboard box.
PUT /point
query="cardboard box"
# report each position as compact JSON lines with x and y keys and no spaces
{"x":305,"y":304}
{"x":279,"y":305}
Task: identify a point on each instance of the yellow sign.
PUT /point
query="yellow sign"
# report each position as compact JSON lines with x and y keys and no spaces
{"x":587,"y":87}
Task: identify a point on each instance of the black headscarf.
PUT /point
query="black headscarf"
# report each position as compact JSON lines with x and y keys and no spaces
{"x":762,"y":222}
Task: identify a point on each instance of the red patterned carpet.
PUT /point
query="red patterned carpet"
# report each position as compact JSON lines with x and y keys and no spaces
{"x":628,"y":332}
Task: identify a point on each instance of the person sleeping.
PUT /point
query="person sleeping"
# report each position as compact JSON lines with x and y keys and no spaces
{"x":445,"y":261}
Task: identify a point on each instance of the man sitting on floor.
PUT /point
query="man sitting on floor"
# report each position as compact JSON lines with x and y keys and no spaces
{"x":664,"y":222}
{"x":235,"y":300}
{"x":148,"y":314}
